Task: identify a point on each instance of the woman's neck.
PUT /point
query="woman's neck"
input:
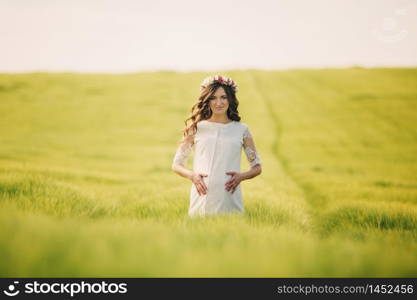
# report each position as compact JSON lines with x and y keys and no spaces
{"x":219,"y":119}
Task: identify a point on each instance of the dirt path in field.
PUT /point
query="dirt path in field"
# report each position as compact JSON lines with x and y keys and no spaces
{"x":308,"y":198}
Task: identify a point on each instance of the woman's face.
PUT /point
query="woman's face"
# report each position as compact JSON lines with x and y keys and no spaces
{"x":218,"y":102}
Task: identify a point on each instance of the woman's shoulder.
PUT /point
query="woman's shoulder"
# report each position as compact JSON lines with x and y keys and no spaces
{"x":200,"y":124}
{"x":242,"y":124}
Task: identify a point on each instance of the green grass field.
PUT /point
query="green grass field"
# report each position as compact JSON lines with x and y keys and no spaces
{"x":86,"y":186}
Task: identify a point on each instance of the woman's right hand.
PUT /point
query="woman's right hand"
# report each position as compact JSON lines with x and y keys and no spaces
{"x":197,"y":179}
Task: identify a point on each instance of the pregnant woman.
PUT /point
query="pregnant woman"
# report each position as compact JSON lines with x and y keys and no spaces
{"x":217,"y":136}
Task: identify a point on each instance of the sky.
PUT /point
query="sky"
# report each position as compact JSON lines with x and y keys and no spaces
{"x":123,"y":36}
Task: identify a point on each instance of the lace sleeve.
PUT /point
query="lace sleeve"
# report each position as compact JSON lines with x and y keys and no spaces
{"x":250,"y":149}
{"x":183,"y":151}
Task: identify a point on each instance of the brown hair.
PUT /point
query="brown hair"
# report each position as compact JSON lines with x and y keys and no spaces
{"x":201,"y":110}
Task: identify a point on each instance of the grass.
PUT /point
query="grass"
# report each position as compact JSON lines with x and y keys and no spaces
{"x":86,"y":187}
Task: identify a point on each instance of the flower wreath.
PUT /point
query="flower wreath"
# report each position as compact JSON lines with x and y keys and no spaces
{"x":221,"y":79}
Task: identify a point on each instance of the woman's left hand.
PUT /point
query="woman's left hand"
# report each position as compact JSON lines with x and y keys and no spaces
{"x":234,"y":181}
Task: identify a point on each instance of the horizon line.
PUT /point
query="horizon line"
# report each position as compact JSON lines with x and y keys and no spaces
{"x":182,"y":71}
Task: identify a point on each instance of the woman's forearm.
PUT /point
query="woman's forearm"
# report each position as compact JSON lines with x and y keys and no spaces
{"x":182,"y":171}
{"x":253,"y":172}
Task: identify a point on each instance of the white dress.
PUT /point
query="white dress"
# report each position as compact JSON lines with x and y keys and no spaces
{"x":217,"y":150}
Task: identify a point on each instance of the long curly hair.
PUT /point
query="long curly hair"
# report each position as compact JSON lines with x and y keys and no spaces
{"x":202,"y":111}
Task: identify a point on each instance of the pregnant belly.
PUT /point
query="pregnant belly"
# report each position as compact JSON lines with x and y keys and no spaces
{"x":218,"y":181}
